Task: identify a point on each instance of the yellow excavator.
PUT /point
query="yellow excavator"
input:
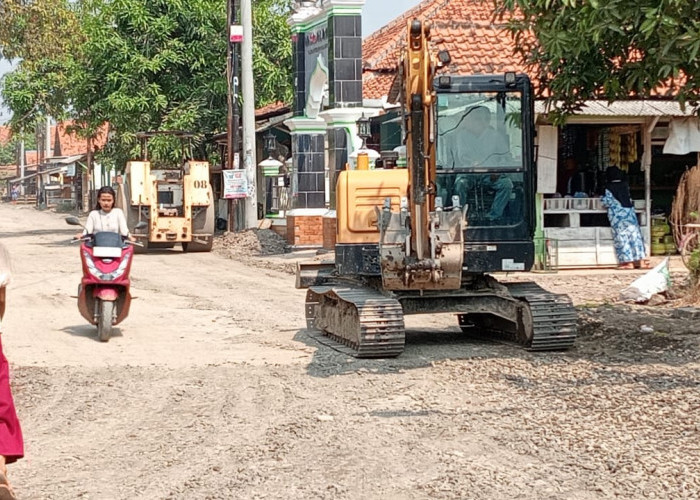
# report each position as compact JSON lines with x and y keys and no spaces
{"x":424,"y":239}
{"x":177,"y":203}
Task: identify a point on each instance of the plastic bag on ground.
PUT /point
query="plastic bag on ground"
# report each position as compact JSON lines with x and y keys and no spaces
{"x":657,"y":280}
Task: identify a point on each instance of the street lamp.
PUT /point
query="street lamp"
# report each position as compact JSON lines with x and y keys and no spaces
{"x":270,"y":166}
{"x":270,"y":170}
{"x":269,"y":143}
{"x":363,"y":130}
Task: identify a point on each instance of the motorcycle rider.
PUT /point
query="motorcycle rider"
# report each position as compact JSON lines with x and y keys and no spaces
{"x":106,"y":217}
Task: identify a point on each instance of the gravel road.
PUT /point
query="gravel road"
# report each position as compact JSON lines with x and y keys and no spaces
{"x":213,"y":389}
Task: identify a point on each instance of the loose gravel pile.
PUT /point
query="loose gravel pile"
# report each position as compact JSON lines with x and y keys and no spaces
{"x":251,"y":242}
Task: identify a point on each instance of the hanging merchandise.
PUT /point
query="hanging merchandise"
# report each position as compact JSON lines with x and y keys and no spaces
{"x":603,"y":151}
{"x":628,"y":150}
{"x":632,"y":150}
{"x":615,"y":143}
{"x":624,"y":152}
{"x":567,"y":142}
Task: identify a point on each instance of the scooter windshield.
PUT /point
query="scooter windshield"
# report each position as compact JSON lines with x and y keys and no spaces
{"x":107,"y":239}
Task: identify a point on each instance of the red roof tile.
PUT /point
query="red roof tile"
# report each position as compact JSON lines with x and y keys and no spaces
{"x":477,"y":43}
{"x":5,"y":134}
{"x":275,"y":108}
{"x":65,"y":142}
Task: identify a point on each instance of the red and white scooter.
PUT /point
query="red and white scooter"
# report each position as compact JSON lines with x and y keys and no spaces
{"x":103,"y":294}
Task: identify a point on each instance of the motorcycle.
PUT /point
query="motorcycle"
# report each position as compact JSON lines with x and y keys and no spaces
{"x":103,"y":293}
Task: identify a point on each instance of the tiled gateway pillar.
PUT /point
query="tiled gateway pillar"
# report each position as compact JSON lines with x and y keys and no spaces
{"x":345,"y":83}
{"x":344,"y":52}
{"x":327,"y":45}
{"x":304,"y":221}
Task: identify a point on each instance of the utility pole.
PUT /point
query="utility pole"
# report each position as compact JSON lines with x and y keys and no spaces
{"x":233,"y":118}
{"x":47,"y":138}
{"x":249,"y":113}
{"x":21,"y":162}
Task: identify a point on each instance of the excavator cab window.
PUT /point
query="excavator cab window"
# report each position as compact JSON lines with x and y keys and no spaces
{"x":480,"y":155}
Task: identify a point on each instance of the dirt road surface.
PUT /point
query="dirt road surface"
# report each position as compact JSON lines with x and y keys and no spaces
{"x":213,"y":389}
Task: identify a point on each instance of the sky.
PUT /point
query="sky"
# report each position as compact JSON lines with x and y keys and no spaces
{"x":375,"y":14}
{"x":4,"y":114}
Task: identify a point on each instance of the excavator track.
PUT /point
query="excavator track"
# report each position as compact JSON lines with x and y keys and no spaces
{"x":553,"y":317}
{"x":549,"y":323}
{"x":365,"y":322}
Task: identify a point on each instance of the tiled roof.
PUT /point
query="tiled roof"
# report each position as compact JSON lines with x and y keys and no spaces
{"x":5,"y":134}
{"x":627,"y":108}
{"x":272,"y":109}
{"x":477,"y":43}
{"x":31,"y":157}
{"x":466,"y":28}
{"x":63,"y":142}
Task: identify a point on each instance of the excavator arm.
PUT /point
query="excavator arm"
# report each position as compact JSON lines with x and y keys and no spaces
{"x":418,"y":70}
{"x":421,"y":247}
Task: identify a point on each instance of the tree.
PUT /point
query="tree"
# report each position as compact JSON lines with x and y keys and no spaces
{"x":608,"y":49}
{"x":155,"y":65}
{"x":272,"y":52}
{"x":9,"y":151}
{"x":43,"y":36}
{"x":33,"y":31}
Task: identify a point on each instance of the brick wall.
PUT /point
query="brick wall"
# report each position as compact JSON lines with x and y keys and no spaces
{"x":305,"y":230}
{"x":329,"y":226}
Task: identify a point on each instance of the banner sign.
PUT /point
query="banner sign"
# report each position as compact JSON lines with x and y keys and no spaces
{"x":235,"y":184}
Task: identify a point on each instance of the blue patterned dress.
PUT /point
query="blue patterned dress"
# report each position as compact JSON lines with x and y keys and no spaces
{"x":627,"y":237}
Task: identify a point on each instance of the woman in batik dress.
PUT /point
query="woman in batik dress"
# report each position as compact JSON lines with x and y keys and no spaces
{"x":627,"y":236}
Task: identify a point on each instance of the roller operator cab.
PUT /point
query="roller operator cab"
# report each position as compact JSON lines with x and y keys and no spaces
{"x":177,"y":202}
{"x":425,"y":238}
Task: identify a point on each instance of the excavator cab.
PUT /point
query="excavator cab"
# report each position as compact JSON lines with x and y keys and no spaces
{"x":484,"y":162}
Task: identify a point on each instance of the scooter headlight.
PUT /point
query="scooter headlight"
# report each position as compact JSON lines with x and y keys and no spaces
{"x":120,"y":270}
{"x":92,"y":269}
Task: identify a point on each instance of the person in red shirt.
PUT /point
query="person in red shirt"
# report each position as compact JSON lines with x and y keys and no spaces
{"x":11,"y":441}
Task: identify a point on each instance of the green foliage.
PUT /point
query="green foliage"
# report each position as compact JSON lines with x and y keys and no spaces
{"x":35,"y":90}
{"x":611,"y":49}
{"x":45,"y":37}
{"x":33,"y":31}
{"x":10,"y":149}
{"x":154,"y":65}
{"x":694,"y":264}
{"x":272,"y":52}
{"x":8,"y":154}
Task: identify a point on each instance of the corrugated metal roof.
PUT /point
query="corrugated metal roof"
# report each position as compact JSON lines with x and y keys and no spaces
{"x":627,"y":108}
{"x":64,"y":160}
{"x":34,"y":174}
